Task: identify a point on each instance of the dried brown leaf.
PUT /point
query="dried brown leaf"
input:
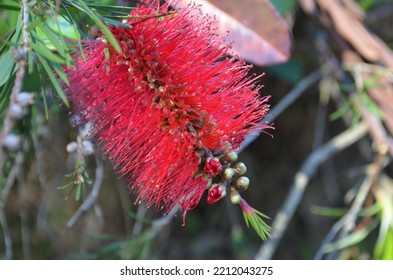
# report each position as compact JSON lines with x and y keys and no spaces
{"x":257,"y":31}
{"x":348,"y":24}
{"x":383,"y":95}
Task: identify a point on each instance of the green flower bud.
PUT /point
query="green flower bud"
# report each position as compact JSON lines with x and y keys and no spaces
{"x":228,"y":173}
{"x":235,"y":197}
{"x":240,"y":168}
{"x":231,"y":156}
{"x":242,"y":183}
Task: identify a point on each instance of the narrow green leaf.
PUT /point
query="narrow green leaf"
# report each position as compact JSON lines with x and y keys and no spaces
{"x":258,"y":224}
{"x":56,"y":42}
{"x":111,"y":9}
{"x":34,"y":23}
{"x":108,"y":34}
{"x":116,"y":23}
{"x":45,"y":104}
{"x":8,"y":66}
{"x":61,"y":74}
{"x":9,"y":5}
{"x":339,"y":212}
{"x":4,"y":28}
{"x":107,"y":56}
{"x":52,"y":77}
{"x":45,"y":52}
{"x":5,"y":94}
{"x":351,"y":239}
{"x":77,"y":32}
{"x":78,"y":192}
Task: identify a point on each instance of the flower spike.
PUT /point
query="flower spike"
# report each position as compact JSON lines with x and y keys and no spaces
{"x":172,"y":108}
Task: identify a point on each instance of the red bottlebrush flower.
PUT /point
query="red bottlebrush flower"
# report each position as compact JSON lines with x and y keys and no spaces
{"x":166,"y":103}
{"x":212,"y":166}
{"x":215,"y":193}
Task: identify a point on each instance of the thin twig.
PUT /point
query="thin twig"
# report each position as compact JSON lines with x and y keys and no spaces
{"x":3,"y":221}
{"x":347,"y":222}
{"x":7,"y":236}
{"x":93,"y":195}
{"x":3,"y":199}
{"x":8,"y":122}
{"x":280,"y":224}
{"x":140,"y":215}
{"x":24,"y":220}
{"x":39,"y":160}
{"x":290,"y":98}
{"x":160,"y":223}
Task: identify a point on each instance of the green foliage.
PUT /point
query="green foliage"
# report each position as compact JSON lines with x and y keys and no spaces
{"x":384,"y":245}
{"x":290,"y":71}
{"x":369,"y":4}
{"x":284,"y":6}
{"x":78,"y":180}
{"x":53,"y":33}
{"x":255,"y":219}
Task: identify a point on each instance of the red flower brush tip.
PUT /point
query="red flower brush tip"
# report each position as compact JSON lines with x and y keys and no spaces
{"x":164,"y":105}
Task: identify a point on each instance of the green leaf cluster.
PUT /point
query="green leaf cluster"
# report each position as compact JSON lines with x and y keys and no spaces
{"x":255,"y":219}
{"x":55,"y":29}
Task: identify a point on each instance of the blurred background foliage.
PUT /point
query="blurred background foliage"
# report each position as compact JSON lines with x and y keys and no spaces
{"x":338,"y":79}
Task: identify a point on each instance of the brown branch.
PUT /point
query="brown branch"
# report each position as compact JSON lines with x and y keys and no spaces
{"x":93,"y":195}
{"x":20,"y":74}
{"x":347,"y":223}
{"x":302,"y":177}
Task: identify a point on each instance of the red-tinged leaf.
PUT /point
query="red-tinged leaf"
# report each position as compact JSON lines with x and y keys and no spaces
{"x":256,"y":29}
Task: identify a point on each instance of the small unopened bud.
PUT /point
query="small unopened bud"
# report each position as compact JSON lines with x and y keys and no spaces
{"x":86,"y":131}
{"x":240,"y":168}
{"x":235,"y":197}
{"x":242,"y":183}
{"x":87,"y":148}
{"x":12,"y":142}
{"x":17,"y":112}
{"x":71,"y":147}
{"x":215,"y":193}
{"x":24,"y":99}
{"x":231,"y":156}
{"x":228,"y":173}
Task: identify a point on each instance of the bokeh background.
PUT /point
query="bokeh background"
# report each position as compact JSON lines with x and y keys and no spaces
{"x":338,"y":68}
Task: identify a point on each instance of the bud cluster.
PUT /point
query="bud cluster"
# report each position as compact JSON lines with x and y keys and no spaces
{"x":225,"y":172}
{"x":83,"y":144}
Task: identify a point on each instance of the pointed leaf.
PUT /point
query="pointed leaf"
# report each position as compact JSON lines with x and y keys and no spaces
{"x":108,"y":34}
{"x":7,"y":68}
{"x":45,"y":52}
{"x":351,"y":239}
{"x":52,"y":77}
